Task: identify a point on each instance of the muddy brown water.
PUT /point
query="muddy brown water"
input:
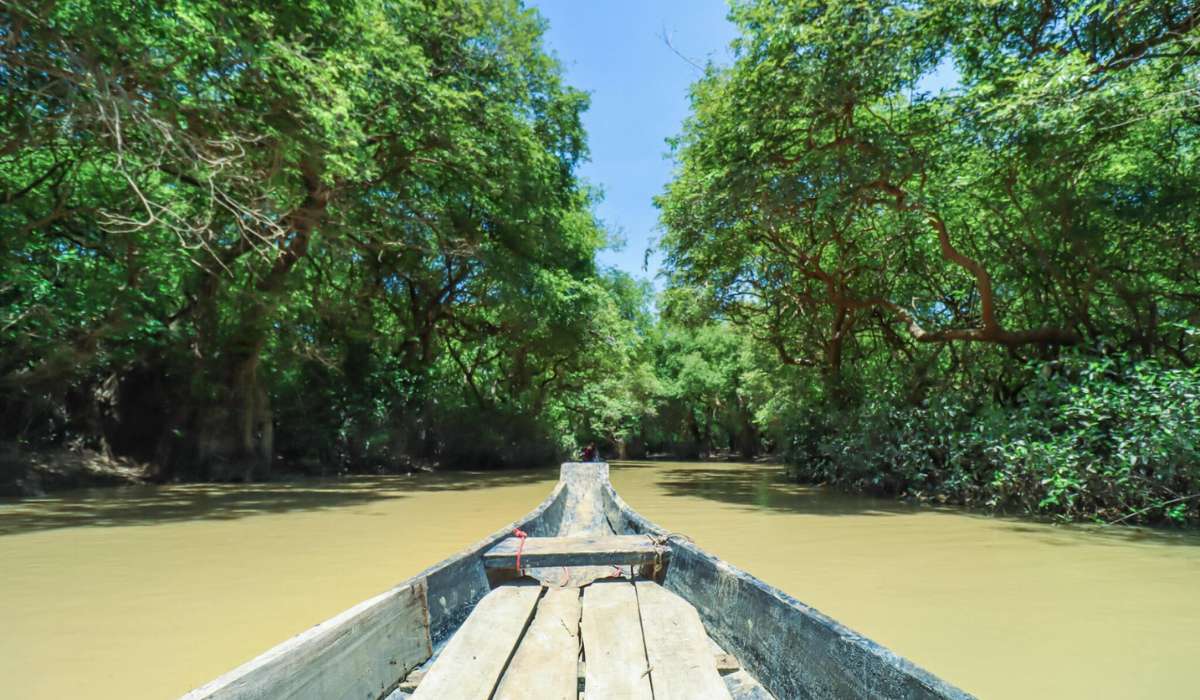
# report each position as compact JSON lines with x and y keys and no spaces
{"x":147,"y":592}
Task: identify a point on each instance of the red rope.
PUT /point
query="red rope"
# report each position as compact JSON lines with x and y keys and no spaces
{"x":521,"y":547}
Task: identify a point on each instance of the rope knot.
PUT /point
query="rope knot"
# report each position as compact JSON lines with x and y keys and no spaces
{"x":520,"y":534}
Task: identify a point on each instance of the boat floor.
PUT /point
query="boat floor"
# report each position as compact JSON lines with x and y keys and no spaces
{"x":614,"y":638}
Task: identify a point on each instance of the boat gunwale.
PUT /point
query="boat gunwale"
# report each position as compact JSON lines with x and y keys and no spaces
{"x":775,"y":674}
{"x":238,"y":682}
{"x":936,"y":686}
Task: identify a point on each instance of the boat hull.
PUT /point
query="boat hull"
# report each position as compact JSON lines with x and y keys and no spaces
{"x":367,"y":650}
{"x":794,"y":650}
{"x":790,"y":648}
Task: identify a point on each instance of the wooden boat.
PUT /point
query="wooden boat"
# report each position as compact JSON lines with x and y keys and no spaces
{"x":588,"y":600}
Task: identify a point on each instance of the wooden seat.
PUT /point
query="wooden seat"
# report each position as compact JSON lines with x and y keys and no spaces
{"x":618,"y":550}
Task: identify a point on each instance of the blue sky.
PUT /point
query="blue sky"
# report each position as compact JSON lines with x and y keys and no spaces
{"x":613,"y":50}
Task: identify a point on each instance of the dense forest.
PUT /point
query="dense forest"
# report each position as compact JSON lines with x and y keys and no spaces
{"x":239,"y":239}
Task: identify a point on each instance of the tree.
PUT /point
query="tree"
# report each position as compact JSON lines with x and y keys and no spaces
{"x":963,"y":289}
{"x":212,"y":205}
{"x":825,"y":202}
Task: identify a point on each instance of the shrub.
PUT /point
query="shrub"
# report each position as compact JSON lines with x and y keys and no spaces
{"x":1088,"y":438}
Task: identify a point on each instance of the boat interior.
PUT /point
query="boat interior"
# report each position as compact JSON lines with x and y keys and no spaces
{"x":580,"y":613}
{"x":581,"y":598}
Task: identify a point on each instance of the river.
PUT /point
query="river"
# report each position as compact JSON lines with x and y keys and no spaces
{"x":146,"y":592}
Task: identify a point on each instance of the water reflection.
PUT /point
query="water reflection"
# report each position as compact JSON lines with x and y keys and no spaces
{"x":148,"y":505}
{"x":765,"y":486}
{"x":1081,"y":611}
{"x":183,"y":582}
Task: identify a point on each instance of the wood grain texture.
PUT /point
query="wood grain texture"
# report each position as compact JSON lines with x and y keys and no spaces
{"x":583,"y":516}
{"x":474,"y":658}
{"x":726,"y":663}
{"x":573,"y":551}
{"x":361,"y":653}
{"x":792,"y":649}
{"x":545,"y":665}
{"x":612,"y":643}
{"x":742,"y":686}
{"x":682,"y":666}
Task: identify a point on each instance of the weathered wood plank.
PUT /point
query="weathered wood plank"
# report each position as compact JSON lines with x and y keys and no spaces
{"x":411,"y":681}
{"x":583,"y":516}
{"x":792,"y":649}
{"x":546,"y":663}
{"x":742,"y":686}
{"x":583,"y":509}
{"x":360,"y":653}
{"x":470,"y":665}
{"x":726,"y":663}
{"x":682,"y":666}
{"x":612,"y":643}
{"x":573,"y":551}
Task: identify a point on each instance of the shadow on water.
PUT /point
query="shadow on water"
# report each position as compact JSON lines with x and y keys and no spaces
{"x":148,"y":505}
{"x":1067,"y":534}
{"x":766,"y":487}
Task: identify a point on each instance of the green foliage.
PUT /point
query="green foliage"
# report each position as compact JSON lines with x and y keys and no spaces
{"x":1092,"y":438}
{"x":826,"y":202}
{"x":908,"y":257}
{"x":343,"y":234}
{"x":349,"y":235}
{"x":709,"y":390}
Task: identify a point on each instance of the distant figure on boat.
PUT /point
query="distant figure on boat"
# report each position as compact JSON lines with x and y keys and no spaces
{"x":589,"y":453}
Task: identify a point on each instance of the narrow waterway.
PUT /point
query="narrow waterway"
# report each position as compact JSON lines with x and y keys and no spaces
{"x":147,"y":592}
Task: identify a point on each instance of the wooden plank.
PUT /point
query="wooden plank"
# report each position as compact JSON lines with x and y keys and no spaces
{"x":742,"y":686}
{"x":454,"y":589}
{"x":792,"y":649}
{"x":583,"y":510}
{"x":470,"y":665}
{"x":583,"y":516}
{"x":726,"y":663}
{"x":573,"y":551}
{"x":411,"y":682}
{"x":360,"y":653}
{"x":682,"y":666}
{"x":546,"y":663}
{"x":612,"y":643}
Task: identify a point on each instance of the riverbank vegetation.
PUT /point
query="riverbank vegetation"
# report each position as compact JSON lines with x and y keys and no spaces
{"x":350,"y":235}
{"x":986,"y":292}
{"x":322,"y":234}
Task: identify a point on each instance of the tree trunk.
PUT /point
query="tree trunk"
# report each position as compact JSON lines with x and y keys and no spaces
{"x":694,"y":428}
{"x":235,"y":440}
{"x":748,"y":436}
